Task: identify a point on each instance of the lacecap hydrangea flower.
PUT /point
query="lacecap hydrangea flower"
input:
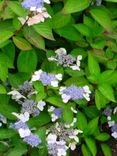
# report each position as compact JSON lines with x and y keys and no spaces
{"x":67,"y":60}
{"x":55,"y":113}
{"x":47,"y":78}
{"x":32,"y":107}
{"x":74,"y":93}
{"x":24,"y":131}
{"x":60,"y":138}
{"x":108,"y":112}
{"x":38,"y":12}
{"x":22,"y":92}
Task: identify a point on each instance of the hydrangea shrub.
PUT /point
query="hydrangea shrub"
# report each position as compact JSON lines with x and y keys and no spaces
{"x":58,"y":77}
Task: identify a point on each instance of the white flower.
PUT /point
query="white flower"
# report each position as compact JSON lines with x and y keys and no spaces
{"x":51,"y":109}
{"x":111,"y":123}
{"x":72,"y":146}
{"x":59,"y":76}
{"x":41,"y":105}
{"x":36,"y":75}
{"x":24,"y":132}
{"x":73,"y":110}
{"x":47,"y":1}
{"x":23,"y":117}
{"x":61,"y":51}
{"x":115,"y":110}
{"x":114,"y":134}
{"x":51,"y":138}
{"x":16,"y":95}
{"x":54,"y":117}
{"x":54,"y":83}
{"x":65,"y":98}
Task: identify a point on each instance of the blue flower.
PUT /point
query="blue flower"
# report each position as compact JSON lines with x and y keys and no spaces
{"x":27,"y":4}
{"x":32,"y":140}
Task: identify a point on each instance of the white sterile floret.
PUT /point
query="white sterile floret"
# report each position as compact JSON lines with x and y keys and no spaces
{"x":47,"y":1}
{"x":54,"y":117}
{"x":61,"y":51}
{"x":111,"y":123}
{"x":41,"y":105}
{"x":36,"y":75}
{"x":59,"y":76}
{"x":72,"y":145}
{"x":73,"y":110}
{"x":23,"y":117}
{"x":51,"y":109}
{"x":114,"y":134}
{"x":66,"y":98}
{"x":87,"y":93}
{"x":109,"y":118}
{"x":33,"y":9}
{"x":115,"y":110}
{"x":54,"y":83}
{"x":24,"y":132}
{"x":16,"y":95}
{"x":61,"y":90}
{"x":23,"y":20}
{"x":51,"y":138}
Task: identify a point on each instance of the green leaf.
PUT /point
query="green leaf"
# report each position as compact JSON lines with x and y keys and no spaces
{"x":44,"y":29}
{"x":27,"y":61}
{"x":40,"y":120}
{"x":93,"y":65}
{"x":72,"y":6}
{"x":102,"y":17}
{"x":91,"y":111}
{"x":6,"y":133}
{"x":3,"y":67}
{"x":5,"y":35}
{"x":81,"y":121}
{"x":18,"y":79}
{"x":79,"y":81}
{"x":100,"y":100}
{"x":7,"y":107}
{"x":85,"y":150}
{"x":106,"y":150}
{"x":34,"y":38}
{"x":68,"y":114}
{"x":107,"y":91}
{"x":60,"y":20}
{"x":21,"y":43}
{"x":91,"y":127}
{"x":103,"y":137}
{"x":2,"y":89}
{"x":83,"y":29}
{"x":114,"y":1}
{"x":109,"y":77}
{"x":56,"y":101}
{"x":91,"y":145}
{"x":17,"y":8}
{"x":66,"y":32}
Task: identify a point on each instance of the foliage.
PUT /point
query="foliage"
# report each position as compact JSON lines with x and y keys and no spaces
{"x":82,"y":29}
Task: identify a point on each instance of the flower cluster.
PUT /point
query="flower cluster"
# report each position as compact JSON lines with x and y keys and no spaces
{"x":55,"y":113}
{"x":38,"y":11}
{"x":3,"y":120}
{"x":67,"y":60}
{"x":73,"y":92}
{"x":46,"y":78}
{"x":24,"y":131}
{"x":59,"y":139}
{"x":111,"y":123}
{"x":22,"y":92}
{"x":23,"y":96}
